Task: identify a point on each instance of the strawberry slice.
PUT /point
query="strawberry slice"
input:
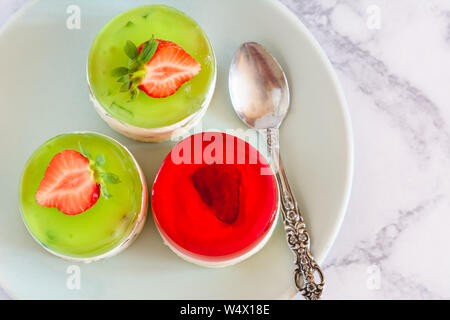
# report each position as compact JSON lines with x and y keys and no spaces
{"x":218,"y":187}
{"x":68,"y":184}
{"x":168,"y":69}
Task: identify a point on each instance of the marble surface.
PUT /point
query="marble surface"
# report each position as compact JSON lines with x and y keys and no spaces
{"x":392,"y":58}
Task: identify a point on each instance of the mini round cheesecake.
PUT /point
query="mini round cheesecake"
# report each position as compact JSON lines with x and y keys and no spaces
{"x":83,"y":196}
{"x":151,"y":73}
{"x":215,"y":200}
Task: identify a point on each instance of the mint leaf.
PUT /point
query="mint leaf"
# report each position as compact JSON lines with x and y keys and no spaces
{"x":84,"y":152}
{"x":135,"y":82}
{"x":133,"y":65}
{"x":125,"y":78}
{"x":99,"y":160}
{"x":119,"y":72}
{"x":145,"y":45}
{"x":131,"y":50}
{"x":111,"y":178}
{"x":148,"y":50}
{"x":125,"y":87}
{"x":133,"y":94}
{"x":105,"y":192}
{"x":145,"y":48}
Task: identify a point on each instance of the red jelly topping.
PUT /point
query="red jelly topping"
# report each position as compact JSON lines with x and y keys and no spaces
{"x":213,"y":196}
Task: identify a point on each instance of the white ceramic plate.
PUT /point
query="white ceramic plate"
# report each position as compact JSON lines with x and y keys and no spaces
{"x":43,"y":92}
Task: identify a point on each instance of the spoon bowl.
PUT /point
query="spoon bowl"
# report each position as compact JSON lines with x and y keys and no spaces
{"x":258,"y":87}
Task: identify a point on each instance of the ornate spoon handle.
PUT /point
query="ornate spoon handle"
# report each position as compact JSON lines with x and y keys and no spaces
{"x":297,"y":235}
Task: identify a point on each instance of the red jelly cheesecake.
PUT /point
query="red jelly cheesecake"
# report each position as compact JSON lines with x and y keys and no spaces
{"x":215,"y":199}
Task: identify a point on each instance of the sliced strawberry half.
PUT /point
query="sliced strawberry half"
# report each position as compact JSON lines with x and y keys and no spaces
{"x":68,"y":184}
{"x":168,"y":69}
{"x":218,"y":187}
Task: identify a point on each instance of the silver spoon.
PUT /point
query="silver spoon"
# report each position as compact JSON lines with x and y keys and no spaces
{"x":260,"y":96}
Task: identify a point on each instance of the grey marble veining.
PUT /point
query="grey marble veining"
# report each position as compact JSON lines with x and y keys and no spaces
{"x":400,"y":120}
{"x":393,"y":94}
{"x":396,"y":76}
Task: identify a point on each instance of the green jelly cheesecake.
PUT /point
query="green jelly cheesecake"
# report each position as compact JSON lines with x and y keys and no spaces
{"x":83,"y":196}
{"x":151,"y":72}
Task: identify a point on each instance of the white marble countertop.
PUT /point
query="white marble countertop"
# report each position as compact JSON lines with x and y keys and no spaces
{"x":392,"y":58}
